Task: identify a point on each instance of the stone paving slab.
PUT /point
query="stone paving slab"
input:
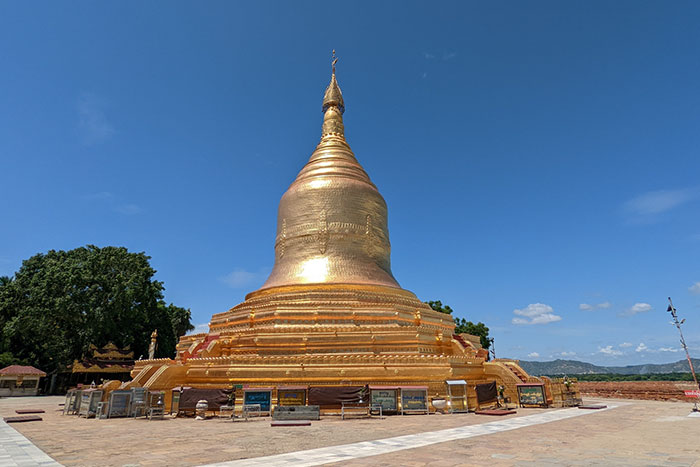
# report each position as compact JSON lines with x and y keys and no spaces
{"x":333,"y":454}
{"x":16,"y":450}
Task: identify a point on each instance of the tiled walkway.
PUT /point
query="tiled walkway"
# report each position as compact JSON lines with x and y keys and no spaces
{"x":18,"y":451}
{"x":346,"y":452}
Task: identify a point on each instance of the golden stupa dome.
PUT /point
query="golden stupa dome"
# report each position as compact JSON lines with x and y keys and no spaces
{"x":332,"y":221}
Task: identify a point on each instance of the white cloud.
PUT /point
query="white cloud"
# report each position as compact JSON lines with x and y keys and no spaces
{"x":608,"y":350}
{"x":657,"y":202}
{"x":200,"y":328}
{"x":106,"y":195}
{"x":624,"y":345}
{"x":669,"y":349}
{"x":695,"y":288}
{"x":637,"y":308}
{"x":589,"y":307}
{"x":535,"y":313}
{"x":567,"y":354}
{"x":92,"y":122}
{"x":111,"y":200}
{"x":242,"y":278}
{"x":127,"y":209}
{"x":445,"y":56}
{"x":533,"y":355}
{"x":642,"y":347}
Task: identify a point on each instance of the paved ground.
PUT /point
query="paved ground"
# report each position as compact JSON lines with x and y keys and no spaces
{"x":633,"y":433}
{"x":16,"y":450}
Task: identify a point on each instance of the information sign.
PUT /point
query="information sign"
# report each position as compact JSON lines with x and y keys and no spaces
{"x":119,"y":402}
{"x":531,"y":394}
{"x":414,"y":400}
{"x":384,"y":397}
{"x":259,"y":397}
{"x":693,"y":393}
{"x":84,"y":404}
{"x":288,"y":397}
{"x":175,"y":401}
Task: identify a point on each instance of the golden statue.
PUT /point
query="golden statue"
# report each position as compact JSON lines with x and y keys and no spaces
{"x":152,"y":345}
{"x":331,"y":311}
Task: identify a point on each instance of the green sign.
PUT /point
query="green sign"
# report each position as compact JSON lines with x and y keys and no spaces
{"x":384,"y":397}
{"x":531,"y":395}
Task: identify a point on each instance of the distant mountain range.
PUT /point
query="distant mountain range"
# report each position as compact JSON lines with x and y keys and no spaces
{"x":574,"y":367}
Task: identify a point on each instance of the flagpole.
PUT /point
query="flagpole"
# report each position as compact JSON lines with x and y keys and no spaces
{"x":672,"y":310}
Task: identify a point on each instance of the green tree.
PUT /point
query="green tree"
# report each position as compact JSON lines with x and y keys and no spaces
{"x":478,"y":329}
{"x":180,"y":319}
{"x":60,"y":302}
{"x":438,"y":306}
{"x":464,"y":326}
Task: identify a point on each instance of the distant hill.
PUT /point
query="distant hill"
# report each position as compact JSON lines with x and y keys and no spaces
{"x":574,"y":367}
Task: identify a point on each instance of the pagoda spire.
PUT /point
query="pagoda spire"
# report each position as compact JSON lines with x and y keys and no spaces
{"x":333,"y":106}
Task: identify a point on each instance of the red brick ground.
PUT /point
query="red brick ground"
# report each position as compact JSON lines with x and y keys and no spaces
{"x":644,"y":390}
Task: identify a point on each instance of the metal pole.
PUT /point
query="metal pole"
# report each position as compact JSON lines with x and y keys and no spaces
{"x":672,"y":310}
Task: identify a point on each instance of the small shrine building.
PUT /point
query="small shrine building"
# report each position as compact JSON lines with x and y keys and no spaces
{"x":20,"y":380}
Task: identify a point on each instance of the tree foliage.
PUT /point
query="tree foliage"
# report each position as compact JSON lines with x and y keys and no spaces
{"x":60,"y":302}
{"x":478,"y":329}
{"x":438,"y":306}
{"x":464,"y":326}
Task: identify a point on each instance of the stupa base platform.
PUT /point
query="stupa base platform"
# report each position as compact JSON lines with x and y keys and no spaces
{"x":251,"y":371}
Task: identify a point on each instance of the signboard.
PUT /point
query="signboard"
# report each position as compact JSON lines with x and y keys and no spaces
{"x":414,"y":400}
{"x":175,"y":402}
{"x":286,"y":397}
{"x":693,"y":393}
{"x":85,"y":404}
{"x":89,"y":401}
{"x":384,"y":397}
{"x":259,"y":397}
{"x":119,"y":403}
{"x":531,"y":395}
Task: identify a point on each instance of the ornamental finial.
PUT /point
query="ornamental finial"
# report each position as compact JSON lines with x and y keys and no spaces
{"x":333,"y":97}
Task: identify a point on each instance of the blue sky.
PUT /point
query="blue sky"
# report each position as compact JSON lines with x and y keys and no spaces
{"x":539,"y":159}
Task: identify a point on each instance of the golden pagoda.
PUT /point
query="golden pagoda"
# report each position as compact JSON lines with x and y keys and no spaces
{"x":331,"y":312}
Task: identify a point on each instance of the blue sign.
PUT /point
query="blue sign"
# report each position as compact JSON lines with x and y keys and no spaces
{"x":258,"y":397}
